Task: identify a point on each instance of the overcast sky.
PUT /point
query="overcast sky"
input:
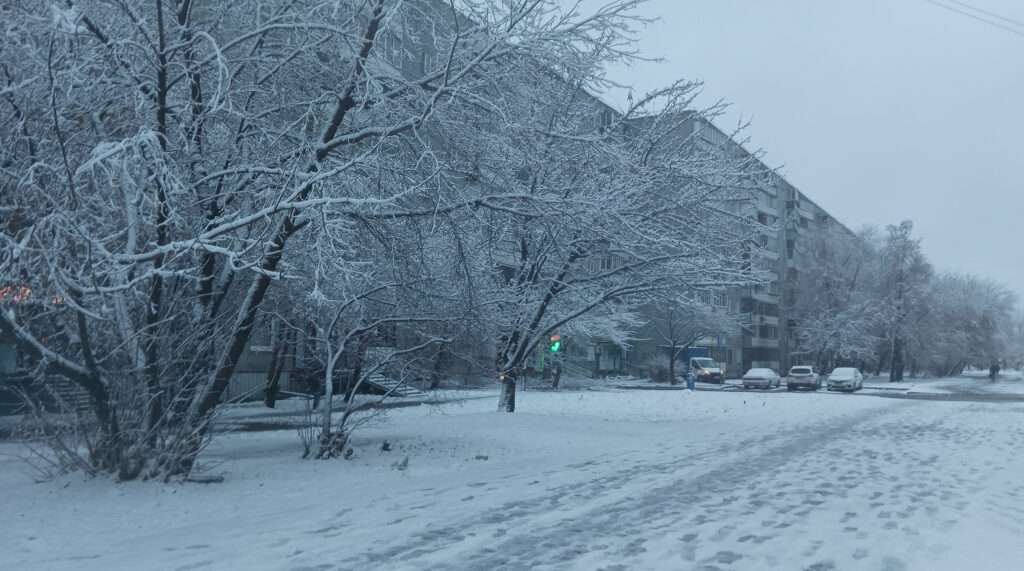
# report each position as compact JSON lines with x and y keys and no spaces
{"x":879,"y":110}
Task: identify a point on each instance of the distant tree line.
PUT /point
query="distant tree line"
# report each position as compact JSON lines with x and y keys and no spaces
{"x":875,"y":301}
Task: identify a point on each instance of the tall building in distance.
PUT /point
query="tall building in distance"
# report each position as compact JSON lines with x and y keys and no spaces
{"x":764,"y":335}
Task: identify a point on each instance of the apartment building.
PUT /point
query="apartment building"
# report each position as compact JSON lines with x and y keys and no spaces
{"x":797,"y":222}
{"x":763,"y":335}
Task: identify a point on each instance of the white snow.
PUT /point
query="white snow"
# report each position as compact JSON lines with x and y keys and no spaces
{"x":574,"y":480}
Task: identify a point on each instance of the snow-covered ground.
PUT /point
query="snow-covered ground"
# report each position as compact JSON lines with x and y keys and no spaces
{"x":574,"y":480}
{"x":977,"y":383}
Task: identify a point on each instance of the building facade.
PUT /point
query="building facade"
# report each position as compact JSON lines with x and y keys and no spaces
{"x":789,"y":223}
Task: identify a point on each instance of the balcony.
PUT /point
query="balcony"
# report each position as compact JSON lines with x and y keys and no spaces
{"x":765,"y":320}
{"x":765,"y":296}
{"x":767,"y":208}
{"x":760,"y":342}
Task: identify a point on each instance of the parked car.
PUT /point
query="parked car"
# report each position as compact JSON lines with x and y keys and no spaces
{"x":845,"y":379}
{"x":802,"y":377}
{"x":761,"y":379}
{"x":706,"y":370}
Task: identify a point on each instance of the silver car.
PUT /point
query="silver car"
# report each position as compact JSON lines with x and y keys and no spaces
{"x":802,"y":377}
{"x":845,"y":379}
{"x":761,"y":379}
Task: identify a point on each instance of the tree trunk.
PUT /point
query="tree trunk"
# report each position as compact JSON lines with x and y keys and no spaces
{"x":507,"y":402}
{"x":328,"y":397}
{"x":672,"y":355}
{"x":273,"y":383}
{"x":896,"y":371}
{"x":362,"y":345}
{"x":435,"y":373}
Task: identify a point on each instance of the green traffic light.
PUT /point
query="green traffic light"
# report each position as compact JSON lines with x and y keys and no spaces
{"x":555,"y":346}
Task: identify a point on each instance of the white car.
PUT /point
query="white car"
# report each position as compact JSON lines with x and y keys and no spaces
{"x":802,"y":377}
{"x":761,"y":379}
{"x":845,"y":379}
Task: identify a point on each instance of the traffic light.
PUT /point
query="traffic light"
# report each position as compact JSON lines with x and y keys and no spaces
{"x":556,"y":343}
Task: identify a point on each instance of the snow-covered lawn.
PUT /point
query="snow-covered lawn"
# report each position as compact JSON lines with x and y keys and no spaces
{"x":1010,"y":382}
{"x":581,"y":480}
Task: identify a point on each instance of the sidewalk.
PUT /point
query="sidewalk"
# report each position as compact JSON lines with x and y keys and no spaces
{"x":289,"y":413}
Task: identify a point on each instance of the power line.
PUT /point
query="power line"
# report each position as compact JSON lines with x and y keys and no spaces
{"x":994,"y":23}
{"x":987,"y":13}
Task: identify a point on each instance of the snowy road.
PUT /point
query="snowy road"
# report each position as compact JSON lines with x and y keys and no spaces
{"x":878,"y":490}
{"x":631,"y":480}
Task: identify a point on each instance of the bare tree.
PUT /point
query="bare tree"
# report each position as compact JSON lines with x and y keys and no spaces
{"x":679,"y":323}
{"x":165,"y":161}
{"x":834,"y":301}
{"x":905,"y":275}
{"x":624,"y":207}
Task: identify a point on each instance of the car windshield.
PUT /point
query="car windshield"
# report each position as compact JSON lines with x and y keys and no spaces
{"x":760,"y":373}
{"x":800,"y":370}
{"x":704,"y":363}
{"x":843,"y":373}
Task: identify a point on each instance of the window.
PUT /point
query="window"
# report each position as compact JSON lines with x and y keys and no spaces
{"x":721,"y":300}
{"x":385,"y":335}
{"x":391,"y":48}
{"x":262,"y":338}
{"x":768,"y":332}
{"x":747,"y":305}
{"x":720,"y":355}
{"x":8,"y":356}
{"x":768,"y":309}
{"x":606,"y":263}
